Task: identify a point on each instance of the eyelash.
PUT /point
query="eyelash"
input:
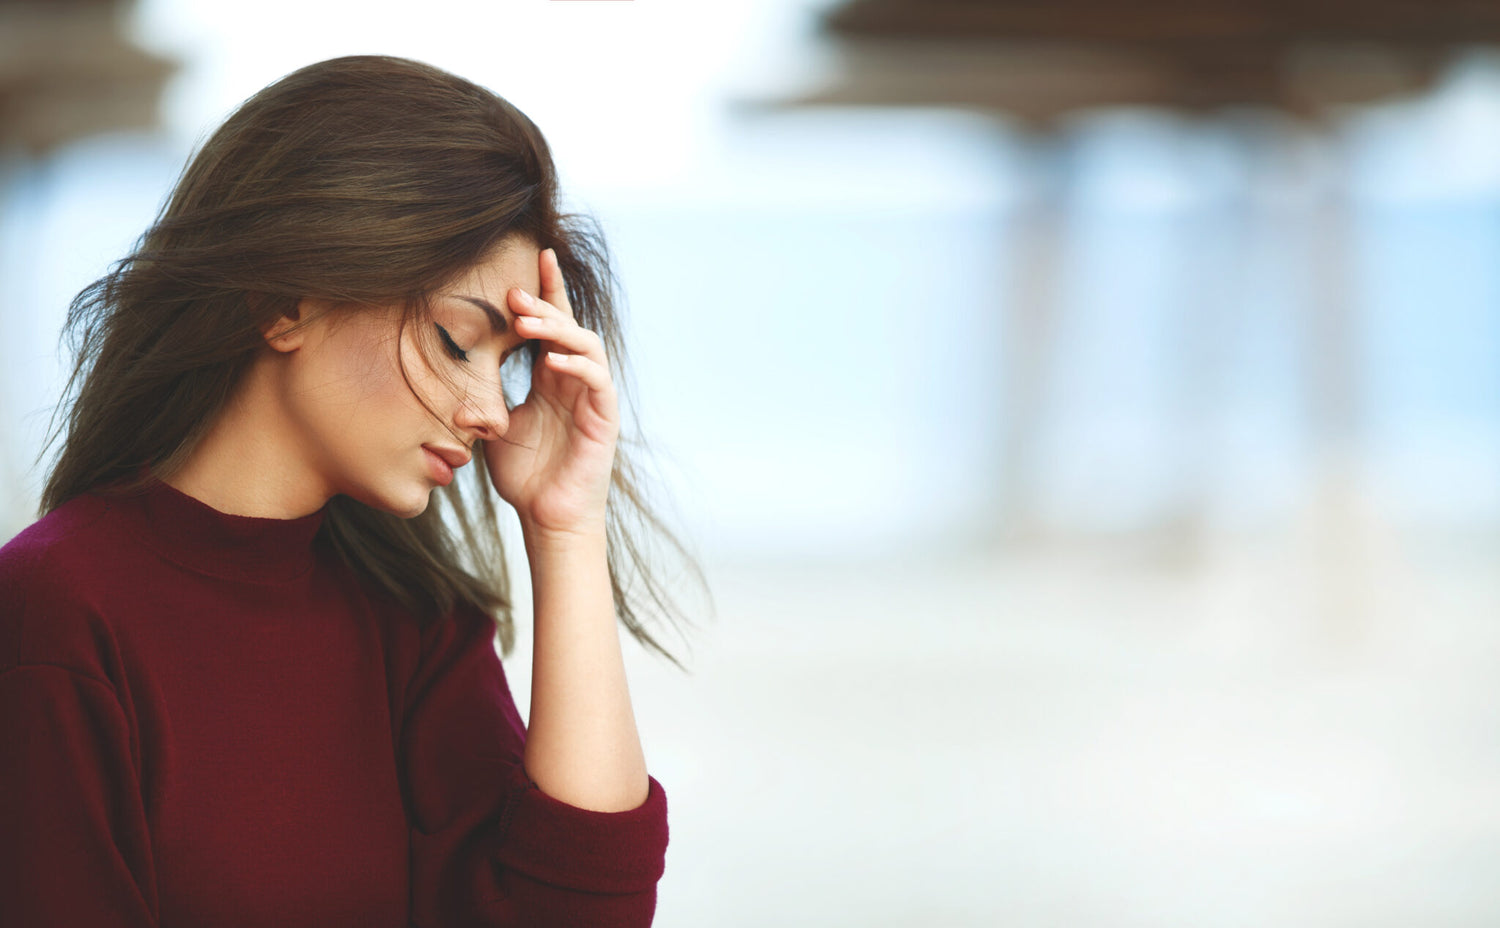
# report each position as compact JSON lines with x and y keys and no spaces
{"x":458,"y":353}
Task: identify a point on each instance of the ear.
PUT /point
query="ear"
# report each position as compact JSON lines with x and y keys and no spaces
{"x":277,"y":334}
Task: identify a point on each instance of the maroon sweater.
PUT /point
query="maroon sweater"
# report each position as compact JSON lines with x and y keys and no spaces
{"x":206,"y":721}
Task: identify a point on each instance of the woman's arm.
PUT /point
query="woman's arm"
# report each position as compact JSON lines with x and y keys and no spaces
{"x":553,"y":463}
{"x":581,"y":744}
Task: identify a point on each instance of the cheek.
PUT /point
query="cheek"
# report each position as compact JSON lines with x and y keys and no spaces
{"x":418,"y":371}
{"x":359,"y":388}
{"x":425,"y":383}
{"x":366,"y":369}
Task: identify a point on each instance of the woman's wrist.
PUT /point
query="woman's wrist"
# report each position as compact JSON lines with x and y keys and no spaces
{"x":543,"y":541}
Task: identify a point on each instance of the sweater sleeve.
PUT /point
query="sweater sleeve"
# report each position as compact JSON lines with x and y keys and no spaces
{"x":488,"y":847}
{"x":74,"y":845}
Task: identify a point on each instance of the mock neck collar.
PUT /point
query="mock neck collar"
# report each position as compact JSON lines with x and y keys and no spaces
{"x":192,"y":533}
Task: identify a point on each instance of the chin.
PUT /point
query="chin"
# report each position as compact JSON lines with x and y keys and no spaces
{"x":411,"y":512}
{"x":403,"y":502}
{"x":417,"y":504}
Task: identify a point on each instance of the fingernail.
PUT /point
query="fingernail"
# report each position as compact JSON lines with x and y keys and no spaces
{"x":525,"y":297}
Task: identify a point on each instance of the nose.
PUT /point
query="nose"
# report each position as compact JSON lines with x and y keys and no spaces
{"x":482,"y":412}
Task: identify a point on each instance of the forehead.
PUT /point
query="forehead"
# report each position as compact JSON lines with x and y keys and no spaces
{"x":513,"y":263}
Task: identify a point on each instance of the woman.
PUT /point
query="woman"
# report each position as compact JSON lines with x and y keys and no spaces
{"x":248,"y":673}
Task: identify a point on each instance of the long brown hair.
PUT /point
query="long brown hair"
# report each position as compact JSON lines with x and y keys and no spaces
{"x":358,"y":181}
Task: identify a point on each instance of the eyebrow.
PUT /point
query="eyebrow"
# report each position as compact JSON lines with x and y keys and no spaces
{"x":498,"y":325}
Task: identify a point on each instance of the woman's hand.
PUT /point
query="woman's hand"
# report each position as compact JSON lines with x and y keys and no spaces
{"x":554,"y":461}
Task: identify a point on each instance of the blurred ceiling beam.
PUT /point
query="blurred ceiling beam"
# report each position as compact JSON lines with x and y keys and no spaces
{"x":68,"y":71}
{"x":1436,"y":22}
{"x":1038,"y":84}
{"x":1038,"y":59}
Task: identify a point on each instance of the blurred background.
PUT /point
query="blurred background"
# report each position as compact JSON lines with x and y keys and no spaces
{"x":1086,"y":415}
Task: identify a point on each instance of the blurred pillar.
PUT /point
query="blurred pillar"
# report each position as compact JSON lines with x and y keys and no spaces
{"x":1038,"y":254}
{"x":1212,"y":242}
{"x":1344,"y":530}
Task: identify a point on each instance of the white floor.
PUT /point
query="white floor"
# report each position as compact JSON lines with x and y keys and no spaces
{"x":1085,"y":739}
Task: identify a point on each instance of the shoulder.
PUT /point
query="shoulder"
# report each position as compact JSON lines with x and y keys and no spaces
{"x":66,"y":538}
{"x":48,"y":575}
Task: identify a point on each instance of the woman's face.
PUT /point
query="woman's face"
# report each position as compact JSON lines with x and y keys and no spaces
{"x":360,"y":426}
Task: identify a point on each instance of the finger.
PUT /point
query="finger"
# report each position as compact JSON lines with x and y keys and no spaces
{"x":554,"y":296}
{"x":553,"y":290}
{"x":562,"y":333}
{"x":594,"y":375}
{"x":522,"y":302}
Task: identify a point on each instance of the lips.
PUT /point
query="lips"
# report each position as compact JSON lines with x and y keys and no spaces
{"x":453,"y":457}
{"x":442,"y":462}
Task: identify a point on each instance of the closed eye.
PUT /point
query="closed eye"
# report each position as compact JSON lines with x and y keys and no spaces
{"x":461,"y":355}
